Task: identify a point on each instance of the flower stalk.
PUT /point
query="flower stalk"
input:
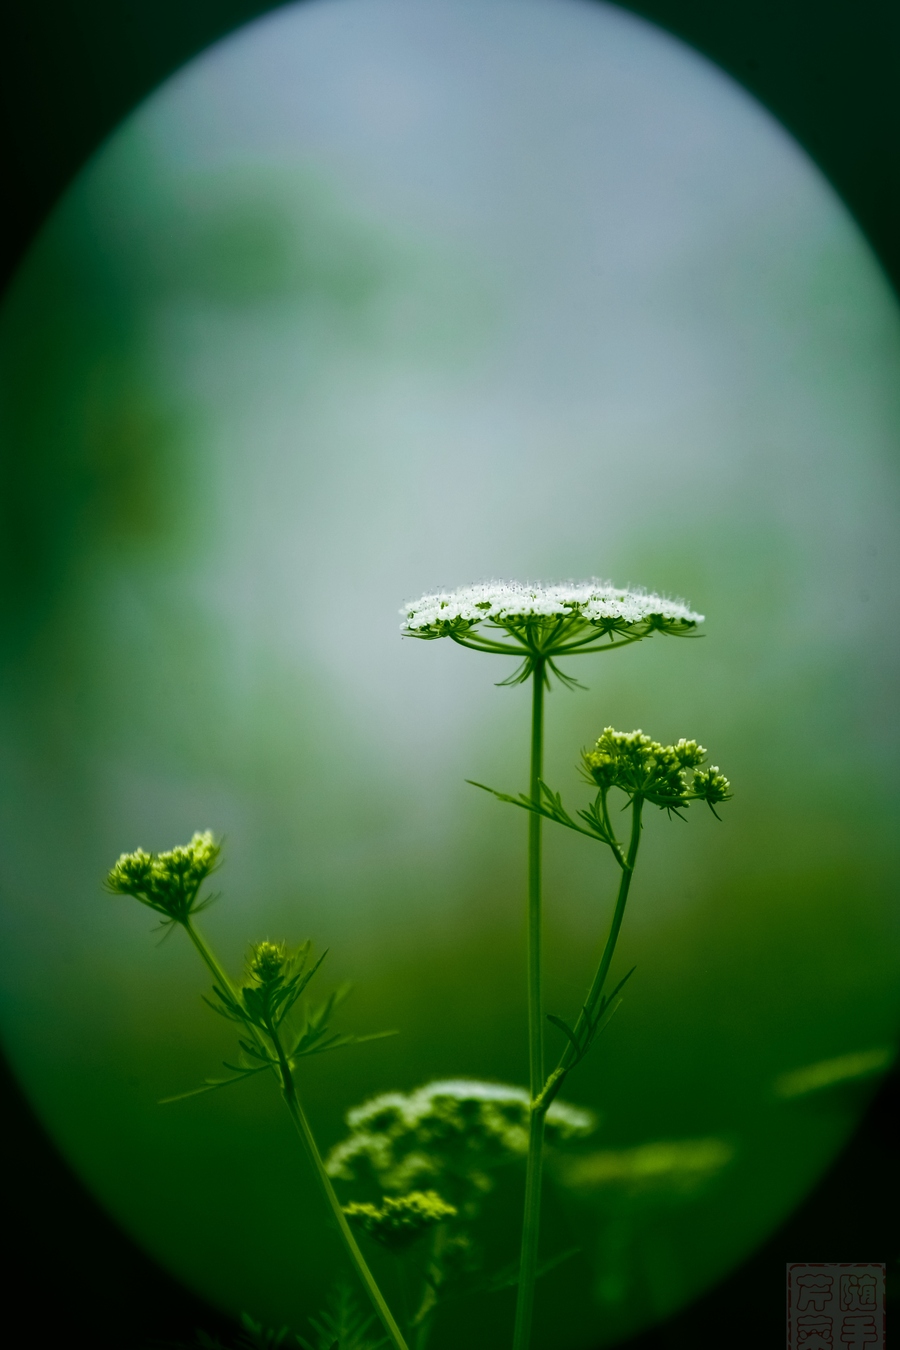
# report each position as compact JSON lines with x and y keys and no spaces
{"x":588,"y":1017}
{"x":170,"y":883}
{"x":534,"y":1166}
{"x":542,"y":624}
{"x":646,"y":772}
{"x":535,"y":822}
{"x":298,"y":1116}
{"x":457,"y":1130}
{"x":456,"y":1135}
{"x":545,"y":1094}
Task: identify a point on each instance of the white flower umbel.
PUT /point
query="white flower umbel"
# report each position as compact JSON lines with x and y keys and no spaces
{"x":545,"y":621}
{"x":540,"y":624}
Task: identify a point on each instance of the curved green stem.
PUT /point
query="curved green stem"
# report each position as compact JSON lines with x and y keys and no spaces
{"x":567,"y":1059}
{"x":576,"y":649}
{"x":298,"y":1116}
{"x":485,"y":645}
{"x":219,"y":974}
{"x":533,"y":1174}
{"x":209,"y":960}
{"x":599,"y":980}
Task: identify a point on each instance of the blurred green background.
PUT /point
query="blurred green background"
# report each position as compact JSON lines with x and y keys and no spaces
{"x":369,"y":299}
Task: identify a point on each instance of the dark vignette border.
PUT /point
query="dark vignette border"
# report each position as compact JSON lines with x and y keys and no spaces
{"x":71,"y":69}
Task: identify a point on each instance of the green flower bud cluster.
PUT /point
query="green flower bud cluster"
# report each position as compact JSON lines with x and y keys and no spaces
{"x":168,"y":883}
{"x":456,"y":1132}
{"x":399,"y":1220}
{"x":656,"y":773}
{"x":276,"y":979}
{"x":711,"y":786}
{"x":267,"y":963}
{"x":273,"y":983}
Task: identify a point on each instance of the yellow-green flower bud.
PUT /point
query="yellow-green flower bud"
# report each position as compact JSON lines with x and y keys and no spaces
{"x":167,"y":882}
{"x":267,"y":962}
{"x":132,"y":873}
{"x":711,"y":786}
{"x":400,"y":1220}
{"x":689,"y":754}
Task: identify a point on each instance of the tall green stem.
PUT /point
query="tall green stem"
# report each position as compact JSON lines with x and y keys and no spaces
{"x":530,"y":1229}
{"x":543,"y":1094}
{"x":531,"y":1220}
{"x":298,"y":1116}
{"x":535,"y":821}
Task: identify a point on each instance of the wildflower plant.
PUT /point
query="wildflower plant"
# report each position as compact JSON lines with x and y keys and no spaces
{"x":261,"y":1007}
{"x":424,"y":1163}
{"x":541,"y":625}
{"x":343,"y":1326}
{"x":452,"y":1136}
{"x":644,"y":771}
{"x":340,"y":1325}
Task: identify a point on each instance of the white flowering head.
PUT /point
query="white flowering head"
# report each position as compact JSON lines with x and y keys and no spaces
{"x":545,"y":621}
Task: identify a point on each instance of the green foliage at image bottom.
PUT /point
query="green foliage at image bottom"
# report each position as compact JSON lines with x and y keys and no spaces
{"x":341,"y":1325}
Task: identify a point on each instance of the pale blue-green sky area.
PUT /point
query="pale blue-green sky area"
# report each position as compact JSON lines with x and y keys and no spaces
{"x":381,"y":296}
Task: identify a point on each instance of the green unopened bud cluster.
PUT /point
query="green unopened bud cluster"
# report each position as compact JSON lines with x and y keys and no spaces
{"x":399,"y":1220}
{"x":275,"y":980}
{"x":455,"y":1133}
{"x":642,"y":767}
{"x":168,"y":883}
{"x":268,"y":963}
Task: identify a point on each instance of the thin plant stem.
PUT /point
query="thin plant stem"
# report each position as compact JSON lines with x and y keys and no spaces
{"x":218,"y":972}
{"x":627,"y":864}
{"x":599,"y":979}
{"x":533,"y":1173}
{"x":422,"y":1322}
{"x":530,"y":1227}
{"x":543,"y":1096}
{"x":535,"y":821}
{"x":298,"y":1116}
{"x":209,"y":960}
